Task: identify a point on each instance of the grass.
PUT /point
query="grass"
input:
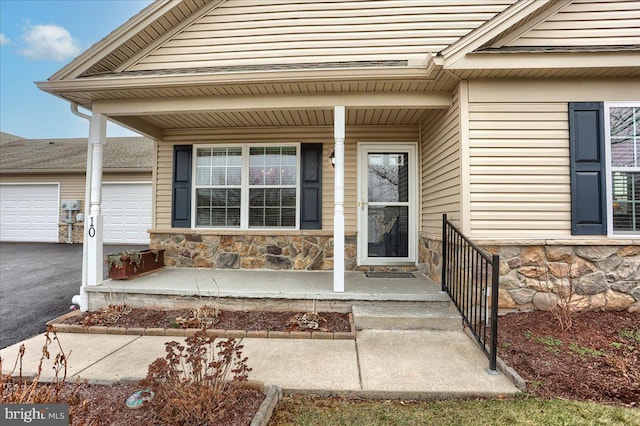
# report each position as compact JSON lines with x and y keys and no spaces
{"x":304,"y":410}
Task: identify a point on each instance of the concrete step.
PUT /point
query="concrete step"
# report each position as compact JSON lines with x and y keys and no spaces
{"x":420,"y":316}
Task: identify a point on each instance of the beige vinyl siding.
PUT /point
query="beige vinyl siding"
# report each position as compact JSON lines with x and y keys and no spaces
{"x":242,"y":32}
{"x":519,"y":154}
{"x":440,"y":167}
{"x":324,"y":135}
{"x":588,"y":22}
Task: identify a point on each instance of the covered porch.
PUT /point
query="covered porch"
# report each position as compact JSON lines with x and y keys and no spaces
{"x":349,"y":163}
{"x":178,"y":288}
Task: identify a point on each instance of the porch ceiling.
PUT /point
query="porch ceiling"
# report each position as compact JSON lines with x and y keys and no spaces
{"x":281,"y":118}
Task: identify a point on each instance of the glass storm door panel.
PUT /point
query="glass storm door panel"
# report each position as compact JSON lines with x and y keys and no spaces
{"x":386,"y":219}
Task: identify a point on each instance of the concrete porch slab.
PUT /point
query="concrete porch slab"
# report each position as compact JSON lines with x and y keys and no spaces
{"x":177,"y":288}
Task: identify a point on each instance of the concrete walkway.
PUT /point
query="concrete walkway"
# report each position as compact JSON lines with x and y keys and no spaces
{"x":385,"y":364}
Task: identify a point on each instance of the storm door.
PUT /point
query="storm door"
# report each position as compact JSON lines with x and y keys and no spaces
{"x":387,"y":193}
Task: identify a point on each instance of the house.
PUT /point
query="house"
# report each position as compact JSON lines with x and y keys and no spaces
{"x":38,"y":175}
{"x":333,"y":135}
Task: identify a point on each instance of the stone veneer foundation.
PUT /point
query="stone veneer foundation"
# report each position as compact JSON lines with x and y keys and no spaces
{"x":77,"y":232}
{"x":540,"y":274}
{"x":309,"y":251}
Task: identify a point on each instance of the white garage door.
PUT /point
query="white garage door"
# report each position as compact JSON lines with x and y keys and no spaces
{"x":126,"y":208}
{"x":29,"y":212}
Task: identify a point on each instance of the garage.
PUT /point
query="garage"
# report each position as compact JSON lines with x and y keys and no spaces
{"x":126,"y":208}
{"x":29,"y":212}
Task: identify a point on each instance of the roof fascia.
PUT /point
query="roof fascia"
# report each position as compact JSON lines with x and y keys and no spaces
{"x":116,"y":38}
{"x":160,"y":81}
{"x":554,"y":8}
{"x":491,"y":29}
{"x":544,"y":60}
{"x":137,"y":107}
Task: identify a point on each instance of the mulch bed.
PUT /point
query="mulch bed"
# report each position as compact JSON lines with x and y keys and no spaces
{"x":597,"y":360}
{"x":227,"y":320}
{"x":105,"y":406}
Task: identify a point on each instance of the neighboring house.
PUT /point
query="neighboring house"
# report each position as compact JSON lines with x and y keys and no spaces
{"x":37,"y":175}
{"x":519,"y":119}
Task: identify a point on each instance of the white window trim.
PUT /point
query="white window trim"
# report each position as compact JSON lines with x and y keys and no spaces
{"x":609,"y":169}
{"x":244,"y":186}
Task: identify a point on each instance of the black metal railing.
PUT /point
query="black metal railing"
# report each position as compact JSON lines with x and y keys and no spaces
{"x":470,"y":277}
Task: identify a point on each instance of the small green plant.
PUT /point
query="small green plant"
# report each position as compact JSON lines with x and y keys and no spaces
{"x":505,"y":345}
{"x":549,"y":341}
{"x":583,"y":351}
{"x":527,"y":334}
{"x":535,"y":384}
{"x":631,"y":334}
{"x":196,"y":383}
{"x":551,"y":344}
{"x":616,"y":345}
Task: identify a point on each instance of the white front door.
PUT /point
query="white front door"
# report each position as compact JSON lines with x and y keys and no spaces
{"x":387,"y":194}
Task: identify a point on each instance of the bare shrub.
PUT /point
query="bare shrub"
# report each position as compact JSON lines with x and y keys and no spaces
{"x":203,"y":316}
{"x":195,"y":384}
{"x":17,"y":389}
{"x":561,"y":284}
{"x":107,"y":316}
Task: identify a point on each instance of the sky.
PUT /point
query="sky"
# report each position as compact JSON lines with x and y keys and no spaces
{"x":38,"y":38}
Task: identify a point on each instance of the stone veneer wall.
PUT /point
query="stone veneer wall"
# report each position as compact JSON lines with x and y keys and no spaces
{"x":276,"y":252}
{"x":77,"y":232}
{"x":537,"y":276}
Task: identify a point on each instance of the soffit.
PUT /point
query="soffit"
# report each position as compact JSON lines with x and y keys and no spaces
{"x":287,"y":117}
{"x":555,"y":73}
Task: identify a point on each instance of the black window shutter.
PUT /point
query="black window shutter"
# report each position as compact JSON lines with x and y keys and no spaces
{"x":181,"y":193}
{"x":311,"y":187}
{"x":588,"y":168}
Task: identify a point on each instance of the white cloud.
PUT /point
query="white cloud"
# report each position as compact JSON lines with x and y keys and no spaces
{"x":49,"y":42}
{"x":4,"y":40}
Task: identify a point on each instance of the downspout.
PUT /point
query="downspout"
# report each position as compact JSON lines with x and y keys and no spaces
{"x":82,"y":299}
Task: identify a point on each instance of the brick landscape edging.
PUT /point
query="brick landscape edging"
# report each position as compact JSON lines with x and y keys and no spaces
{"x":57,"y":326}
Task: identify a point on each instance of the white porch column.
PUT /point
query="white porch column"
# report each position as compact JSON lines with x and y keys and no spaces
{"x":338,"y":210}
{"x":93,"y":224}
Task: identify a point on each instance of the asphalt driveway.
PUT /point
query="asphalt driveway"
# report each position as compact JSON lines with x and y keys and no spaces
{"x":37,"y":282}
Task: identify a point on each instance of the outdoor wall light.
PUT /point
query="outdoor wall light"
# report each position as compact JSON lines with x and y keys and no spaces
{"x":332,"y":158}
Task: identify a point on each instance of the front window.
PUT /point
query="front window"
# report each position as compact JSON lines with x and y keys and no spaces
{"x":272,"y":186}
{"x":246,"y":187}
{"x":624,"y":163}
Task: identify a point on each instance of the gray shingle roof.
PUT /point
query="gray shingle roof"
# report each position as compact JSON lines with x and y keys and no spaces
{"x":71,"y":154}
{"x":8,"y":137}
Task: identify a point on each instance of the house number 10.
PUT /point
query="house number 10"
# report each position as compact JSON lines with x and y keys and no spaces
{"x":92,"y":229}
